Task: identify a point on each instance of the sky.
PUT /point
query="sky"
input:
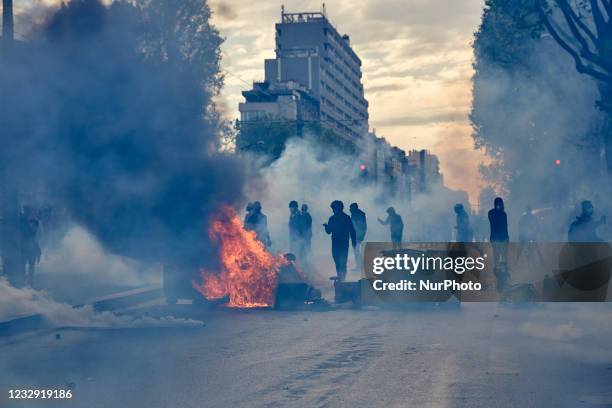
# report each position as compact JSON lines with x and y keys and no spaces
{"x":416,"y":62}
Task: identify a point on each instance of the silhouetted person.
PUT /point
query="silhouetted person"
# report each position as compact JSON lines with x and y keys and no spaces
{"x":305,"y":232}
{"x":258,"y":222}
{"x":396,"y":227}
{"x":248,"y":212}
{"x":358,"y":217}
{"x":13,"y":264}
{"x":464,"y":230}
{"x":584,"y":228}
{"x":29,"y":246}
{"x":341,"y":229}
{"x":529,"y":229}
{"x":499,"y":238}
{"x":295,"y":235}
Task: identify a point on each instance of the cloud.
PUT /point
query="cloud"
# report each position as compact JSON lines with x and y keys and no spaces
{"x":424,"y":119}
{"x":225,"y":10}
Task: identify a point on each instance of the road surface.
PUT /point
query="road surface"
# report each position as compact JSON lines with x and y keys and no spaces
{"x":483,"y":355}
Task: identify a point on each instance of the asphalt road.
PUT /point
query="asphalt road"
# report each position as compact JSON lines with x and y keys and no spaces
{"x":483,"y":355}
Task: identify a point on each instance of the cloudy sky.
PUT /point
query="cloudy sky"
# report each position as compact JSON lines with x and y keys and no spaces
{"x":417,"y":65}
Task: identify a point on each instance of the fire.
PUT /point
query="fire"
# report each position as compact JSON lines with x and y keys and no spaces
{"x":249,"y":273}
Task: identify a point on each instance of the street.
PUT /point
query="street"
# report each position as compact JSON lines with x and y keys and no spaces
{"x":479,"y":355}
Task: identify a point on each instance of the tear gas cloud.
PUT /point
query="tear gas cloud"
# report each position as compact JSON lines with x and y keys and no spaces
{"x":302,"y":174}
{"x":538,"y":121}
{"x":106,"y":111}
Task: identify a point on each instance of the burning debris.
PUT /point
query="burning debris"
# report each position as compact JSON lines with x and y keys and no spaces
{"x":249,"y":274}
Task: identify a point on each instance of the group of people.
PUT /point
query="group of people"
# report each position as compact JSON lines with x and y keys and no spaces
{"x":350,"y":230}
{"x":345,"y":230}
{"x":582,"y":229}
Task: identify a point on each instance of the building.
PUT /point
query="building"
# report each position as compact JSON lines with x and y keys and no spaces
{"x":311,"y":52}
{"x":287,"y":101}
{"x":428,"y":168}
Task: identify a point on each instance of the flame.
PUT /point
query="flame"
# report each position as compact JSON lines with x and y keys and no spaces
{"x":249,"y":273}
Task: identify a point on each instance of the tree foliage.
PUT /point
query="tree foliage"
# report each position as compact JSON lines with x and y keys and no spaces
{"x":530,"y":108}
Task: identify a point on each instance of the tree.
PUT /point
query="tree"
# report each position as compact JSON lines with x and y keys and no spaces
{"x":584,"y":31}
{"x":531,"y":108}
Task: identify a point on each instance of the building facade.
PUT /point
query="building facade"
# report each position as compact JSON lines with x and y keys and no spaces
{"x":311,"y":52}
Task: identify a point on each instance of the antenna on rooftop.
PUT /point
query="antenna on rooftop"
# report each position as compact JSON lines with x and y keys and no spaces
{"x":324,"y":10}
{"x":282,"y":11}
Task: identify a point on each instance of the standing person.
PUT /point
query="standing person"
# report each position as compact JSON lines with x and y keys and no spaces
{"x":464,"y":230}
{"x":306,"y":232}
{"x":341,"y":229}
{"x":294,"y":229}
{"x":358,"y":217}
{"x":13,"y":264}
{"x":499,"y":238}
{"x":584,"y":228}
{"x":396,"y":227}
{"x":29,"y":246}
{"x":247,"y":215}
{"x":529,"y":229}
{"x":258,"y":222}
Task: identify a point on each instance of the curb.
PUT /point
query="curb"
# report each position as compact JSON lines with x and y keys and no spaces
{"x":111,"y":302}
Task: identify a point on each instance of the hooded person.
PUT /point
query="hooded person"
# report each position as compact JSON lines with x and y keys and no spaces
{"x":499,"y":238}
{"x":341,"y":229}
{"x":584,"y":228}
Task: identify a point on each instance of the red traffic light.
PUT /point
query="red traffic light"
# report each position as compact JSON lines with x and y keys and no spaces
{"x":557,"y":162}
{"x":362,"y":167}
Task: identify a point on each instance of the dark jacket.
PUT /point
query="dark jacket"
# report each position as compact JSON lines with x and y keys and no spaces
{"x":294,"y":227}
{"x":306,"y":226}
{"x":584,"y":229}
{"x":396,"y":226}
{"x":258,"y":222}
{"x":341,"y":229}
{"x":499,"y":225}
{"x":358,"y":218}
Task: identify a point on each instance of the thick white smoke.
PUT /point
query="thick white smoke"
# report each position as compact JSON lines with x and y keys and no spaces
{"x":22,"y":302}
{"x":301,"y":174}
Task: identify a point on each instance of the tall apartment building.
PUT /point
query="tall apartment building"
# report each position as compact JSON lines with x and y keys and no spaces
{"x":311,"y":52}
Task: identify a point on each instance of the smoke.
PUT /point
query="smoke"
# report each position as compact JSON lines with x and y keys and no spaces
{"x":536,"y":117}
{"x":79,"y":254}
{"x":22,"y":302}
{"x":307,"y":174}
{"x":107,"y":112}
